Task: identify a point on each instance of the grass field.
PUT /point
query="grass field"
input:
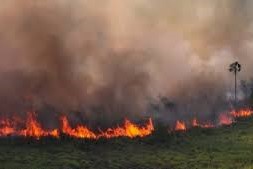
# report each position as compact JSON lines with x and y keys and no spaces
{"x":228,"y":147}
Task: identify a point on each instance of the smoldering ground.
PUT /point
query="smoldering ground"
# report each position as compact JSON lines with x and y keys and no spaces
{"x":113,"y":59}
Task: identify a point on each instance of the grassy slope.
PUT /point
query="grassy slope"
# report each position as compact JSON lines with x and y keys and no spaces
{"x":227,"y":147}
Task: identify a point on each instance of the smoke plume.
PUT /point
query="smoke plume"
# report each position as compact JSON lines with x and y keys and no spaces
{"x":112,"y":59}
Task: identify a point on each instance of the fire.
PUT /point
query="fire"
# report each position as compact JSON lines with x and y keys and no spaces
{"x":207,"y":125}
{"x":129,"y":130}
{"x":6,"y":128}
{"x":33,"y":128}
{"x":180,"y":126}
{"x":225,"y":119}
{"x":78,"y":132}
{"x":54,"y":133}
{"x":195,"y":123}
{"x":242,"y":113}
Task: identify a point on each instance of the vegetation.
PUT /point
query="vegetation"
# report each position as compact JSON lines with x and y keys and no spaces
{"x":229,"y":147}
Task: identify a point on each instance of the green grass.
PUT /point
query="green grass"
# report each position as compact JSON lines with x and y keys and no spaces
{"x":223,"y":148}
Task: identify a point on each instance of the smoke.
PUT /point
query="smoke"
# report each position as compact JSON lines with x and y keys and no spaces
{"x":112,"y":59}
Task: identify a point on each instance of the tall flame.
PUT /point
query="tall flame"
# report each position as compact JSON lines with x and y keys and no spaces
{"x":78,"y":132}
{"x":32,"y":128}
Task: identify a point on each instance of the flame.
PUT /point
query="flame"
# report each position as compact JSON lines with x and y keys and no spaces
{"x":207,"y":125}
{"x":129,"y":130}
{"x":79,"y":132}
{"x":54,"y":133}
{"x":225,"y":119}
{"x":34,"y":129}
{"x":195,"y":123}
{"x":242,"y":113}
{"x":180,"y":126}
{"x":6,"y":128}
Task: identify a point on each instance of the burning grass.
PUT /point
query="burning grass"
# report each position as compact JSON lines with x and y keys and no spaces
{"x":214,"y":148}
{"x":192,"y":144}
{"x":33,"y":129}
{"x":224,"y":119}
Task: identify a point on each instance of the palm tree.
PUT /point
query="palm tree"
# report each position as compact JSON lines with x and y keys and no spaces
{"x":235,"y":68}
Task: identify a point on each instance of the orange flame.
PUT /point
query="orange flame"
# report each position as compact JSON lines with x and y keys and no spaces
{"x":242,"y":113}
{"x":129,"y":130}
{"x":180,"y":126}
{"x":6,"y":128}
{"x":79,"y":132}
{"x":34,"y":129}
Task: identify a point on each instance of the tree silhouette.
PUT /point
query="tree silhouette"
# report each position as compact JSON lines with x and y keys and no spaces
{"x":235,"y":68}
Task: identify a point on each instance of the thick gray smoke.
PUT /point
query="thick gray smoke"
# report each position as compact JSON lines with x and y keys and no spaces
{"x":111,"y":59}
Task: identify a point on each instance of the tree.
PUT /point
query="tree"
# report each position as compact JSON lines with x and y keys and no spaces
{"x":235,"y":68}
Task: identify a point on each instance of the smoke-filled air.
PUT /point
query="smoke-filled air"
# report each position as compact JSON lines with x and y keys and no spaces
{"x":106,"y":60}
